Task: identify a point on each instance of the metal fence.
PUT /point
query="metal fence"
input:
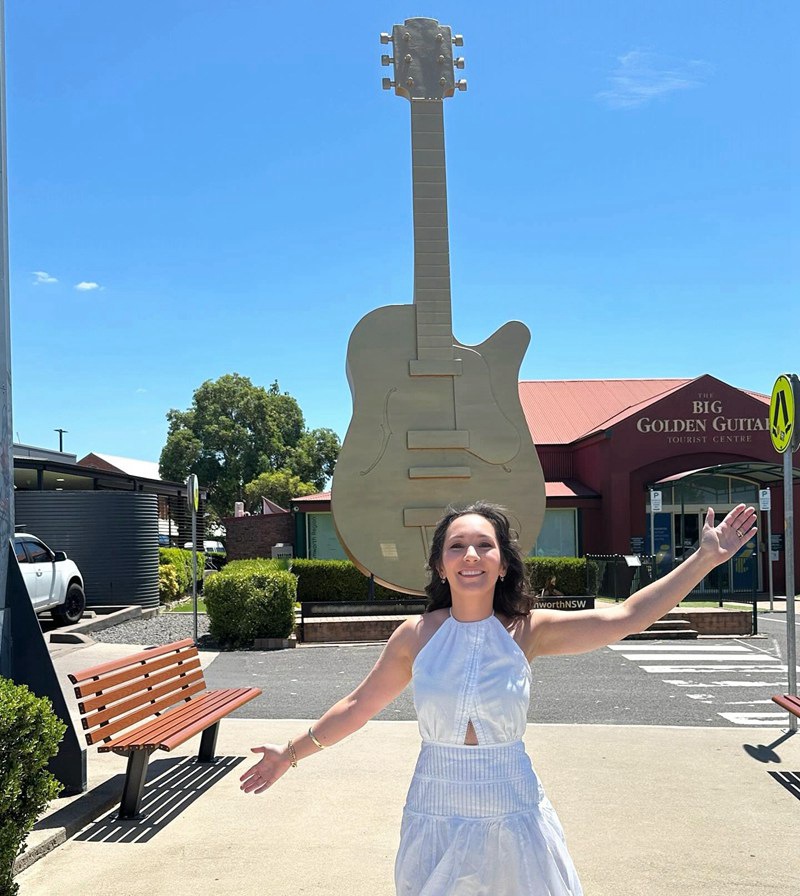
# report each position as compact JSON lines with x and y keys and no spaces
{"x":617,"y":576}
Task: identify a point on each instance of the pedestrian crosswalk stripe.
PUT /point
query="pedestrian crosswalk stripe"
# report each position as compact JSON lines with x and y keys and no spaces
{"x":755,"y":719}
{"x":655,"y":648}
{"x":705,"y":668}
{"x":679,"y":683}
{"x":699,"y":657}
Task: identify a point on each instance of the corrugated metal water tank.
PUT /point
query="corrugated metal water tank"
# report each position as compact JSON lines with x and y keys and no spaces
{"x":112,"y":536}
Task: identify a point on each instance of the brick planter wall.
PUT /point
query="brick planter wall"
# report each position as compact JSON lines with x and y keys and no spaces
{"x":711,"y":621}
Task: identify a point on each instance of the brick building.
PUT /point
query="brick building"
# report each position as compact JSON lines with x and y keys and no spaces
{"x":605,"y":444}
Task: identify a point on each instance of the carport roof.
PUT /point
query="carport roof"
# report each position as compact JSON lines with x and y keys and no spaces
{"x":756,"y":471}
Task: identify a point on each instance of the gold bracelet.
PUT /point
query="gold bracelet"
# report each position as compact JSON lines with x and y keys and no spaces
{"x":292,"y":754}
{"x":314,"y":739}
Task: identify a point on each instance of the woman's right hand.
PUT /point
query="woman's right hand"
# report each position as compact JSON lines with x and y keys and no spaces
{"x":273,"y":764}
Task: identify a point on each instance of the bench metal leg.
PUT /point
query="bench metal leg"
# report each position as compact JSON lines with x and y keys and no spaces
{"x":208,"y":744}
{"x":134,"y":783}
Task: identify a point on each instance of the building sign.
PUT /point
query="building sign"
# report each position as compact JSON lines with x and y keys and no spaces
{"x":637,"y":544}
{"x":706,"y":423}
{"x":565,"y":603}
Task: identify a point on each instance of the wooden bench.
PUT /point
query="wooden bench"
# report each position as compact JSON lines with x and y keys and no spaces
{"x":153,"y":700}
{"x":356,"y":620}
{"x":788,"y":702}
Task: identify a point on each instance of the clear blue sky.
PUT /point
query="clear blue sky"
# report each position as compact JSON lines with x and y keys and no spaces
{"x":198,"y":188}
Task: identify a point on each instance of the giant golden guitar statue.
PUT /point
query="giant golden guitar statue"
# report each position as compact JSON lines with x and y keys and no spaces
{"x":435,"y":422}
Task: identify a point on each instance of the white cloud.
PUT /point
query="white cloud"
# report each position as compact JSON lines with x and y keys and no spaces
{"x":641,"y":77}
{"x":141,"y":391}
{"x":43,"y":277}
{"x":85,"y":286}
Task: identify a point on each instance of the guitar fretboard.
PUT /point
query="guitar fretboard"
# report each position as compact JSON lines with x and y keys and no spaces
{"x":431,"y":241}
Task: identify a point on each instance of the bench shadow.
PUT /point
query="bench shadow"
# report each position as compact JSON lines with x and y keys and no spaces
{"x":766,"y":752}
{"x":173,"y":785}
{"x":789,"y":780}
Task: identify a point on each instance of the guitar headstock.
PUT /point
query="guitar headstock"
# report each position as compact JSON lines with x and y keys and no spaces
{"x":423,"y":60}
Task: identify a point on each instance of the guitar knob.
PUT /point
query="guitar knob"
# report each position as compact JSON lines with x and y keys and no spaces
{"x":388,"y":84}
{"x":458,"y":62}
{"x":386,"y":38}
{"x":458,"y":40}
{"x":462,"y":84}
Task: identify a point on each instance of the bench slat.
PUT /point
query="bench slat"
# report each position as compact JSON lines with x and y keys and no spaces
{"x":789,"y":702}
{"x":104,"y":732}
{"x":182,"y":722}
{"x":146,"y":695}
{"x":135,"y":673}
{"x":108,"y":695}
{"x":132,"y":660}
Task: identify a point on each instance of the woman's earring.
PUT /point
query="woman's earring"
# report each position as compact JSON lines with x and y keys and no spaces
{"x":502,"y":578}
{"x":444,"y":580}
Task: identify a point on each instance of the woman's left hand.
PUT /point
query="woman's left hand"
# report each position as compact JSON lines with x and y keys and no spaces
{"x":720,"y":543}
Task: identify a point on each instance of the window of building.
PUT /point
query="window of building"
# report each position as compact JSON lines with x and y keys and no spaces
{"x":322,"y":541}
{"x":559,"y":535}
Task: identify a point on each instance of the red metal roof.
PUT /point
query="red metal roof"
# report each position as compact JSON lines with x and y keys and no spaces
{"x":319,"y":496}
{"x":561,"y":411}
{"x":569,"y":488}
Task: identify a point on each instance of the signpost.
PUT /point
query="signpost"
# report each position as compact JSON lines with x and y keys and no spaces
{"x":655,"y":507}
{"x":193,"y":499}
{"x":784,"y":435}
{"x":765,"y":504}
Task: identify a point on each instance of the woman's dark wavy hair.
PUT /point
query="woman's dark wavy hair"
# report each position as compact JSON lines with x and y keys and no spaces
{"x":512,"y":596}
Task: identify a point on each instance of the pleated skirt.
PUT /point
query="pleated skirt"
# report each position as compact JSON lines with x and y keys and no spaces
{"x":477,"y":823}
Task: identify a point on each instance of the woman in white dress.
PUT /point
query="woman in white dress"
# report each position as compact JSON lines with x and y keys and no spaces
{"x":476,"y":820}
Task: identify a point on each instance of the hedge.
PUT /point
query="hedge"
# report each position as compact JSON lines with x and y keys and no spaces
{"x":30,"y":733}
{"x":341,"y":580}
{"x":250,"y":599}
{"x":570,"y":573}
{"x":181,"y":561}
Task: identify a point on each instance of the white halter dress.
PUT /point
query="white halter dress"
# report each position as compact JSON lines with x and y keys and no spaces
{"x":476,"y":820}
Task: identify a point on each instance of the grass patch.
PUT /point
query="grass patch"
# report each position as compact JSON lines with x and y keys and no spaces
{"x":187,"y":606}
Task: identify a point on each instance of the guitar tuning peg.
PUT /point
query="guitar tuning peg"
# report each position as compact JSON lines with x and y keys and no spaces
{"x":387,"y":83}
{"x":386,"y":38}
{"x":462,"y":84}
{"x":458,"y":40}
{"x":386,"y":60}
{"x":458,"y":62}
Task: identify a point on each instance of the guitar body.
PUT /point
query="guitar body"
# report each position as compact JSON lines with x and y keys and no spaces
{"x":418,"y":443}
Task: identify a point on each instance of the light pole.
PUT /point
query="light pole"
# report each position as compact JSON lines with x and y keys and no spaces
{"x":6,"y":428}
{"x":61,"y":438}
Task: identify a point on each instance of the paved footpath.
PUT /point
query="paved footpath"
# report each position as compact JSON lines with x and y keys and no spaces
{"x":648,"y":811}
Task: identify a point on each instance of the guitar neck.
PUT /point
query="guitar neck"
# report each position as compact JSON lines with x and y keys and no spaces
{"x":431,"y":241}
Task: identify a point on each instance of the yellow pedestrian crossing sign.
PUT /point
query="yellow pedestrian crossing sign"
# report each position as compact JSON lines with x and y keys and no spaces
{"x":782,"y":411}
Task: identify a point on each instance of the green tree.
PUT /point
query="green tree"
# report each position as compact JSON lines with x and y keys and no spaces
{"x":280,"y":487}
{"x":234,"y":431}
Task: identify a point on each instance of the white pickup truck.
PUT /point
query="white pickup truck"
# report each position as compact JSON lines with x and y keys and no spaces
{"x":54,"y":582}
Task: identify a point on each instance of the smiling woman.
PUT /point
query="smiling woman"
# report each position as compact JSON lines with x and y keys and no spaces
{"x":476,"y":818}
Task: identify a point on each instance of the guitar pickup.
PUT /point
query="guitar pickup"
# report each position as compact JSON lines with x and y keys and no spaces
{"x":439,"y":473}
{"x":438,"y":438}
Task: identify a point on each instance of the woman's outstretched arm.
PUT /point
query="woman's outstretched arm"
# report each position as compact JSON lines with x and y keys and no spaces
{"x":561,"y":632}
{"x":387,"y":680}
